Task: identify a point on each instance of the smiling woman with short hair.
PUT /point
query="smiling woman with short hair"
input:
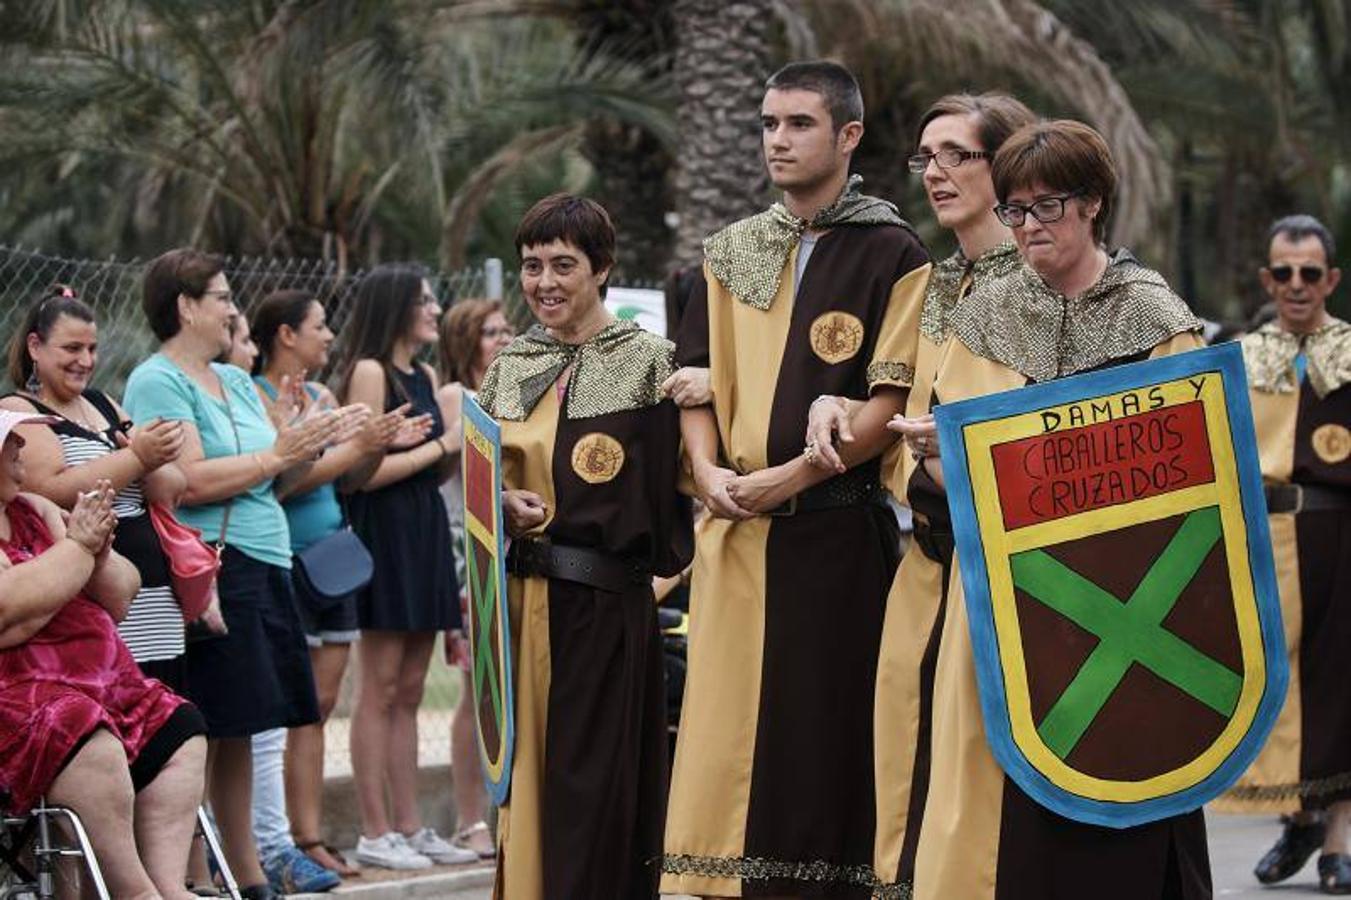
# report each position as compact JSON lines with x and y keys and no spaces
{"x":590,"y":460}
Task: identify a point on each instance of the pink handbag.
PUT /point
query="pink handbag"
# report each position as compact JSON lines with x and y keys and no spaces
{"x":193,"y":563}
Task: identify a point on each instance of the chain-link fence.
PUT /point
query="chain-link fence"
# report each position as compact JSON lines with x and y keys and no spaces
{"x":113,"y":288}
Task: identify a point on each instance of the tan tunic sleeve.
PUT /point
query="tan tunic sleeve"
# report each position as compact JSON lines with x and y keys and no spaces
{"x":894,"y":356}
{"x":1178,"y":343}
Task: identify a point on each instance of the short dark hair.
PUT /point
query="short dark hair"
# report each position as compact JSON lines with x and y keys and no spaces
{"x":998,"y":116}
{"x":57,"y":301}
{"x":288,"y":307}
{"x":1064,"y":155}
{"x":183,"y":271}
{"x":832,"y":81}
{"x":582,"y":222}
{"x":1298,"y":227}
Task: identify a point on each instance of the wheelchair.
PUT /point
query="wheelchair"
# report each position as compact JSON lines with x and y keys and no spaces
{"x":32,"y":845}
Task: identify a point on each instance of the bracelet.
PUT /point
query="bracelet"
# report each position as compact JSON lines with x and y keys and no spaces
{"x":262,"y":469}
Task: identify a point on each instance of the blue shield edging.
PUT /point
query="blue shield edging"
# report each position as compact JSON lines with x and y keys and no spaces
{"x":1225,"y":361}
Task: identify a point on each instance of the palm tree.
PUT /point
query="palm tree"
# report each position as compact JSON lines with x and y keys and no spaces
{"x":296,"y":127}
{"x":721,"y":63}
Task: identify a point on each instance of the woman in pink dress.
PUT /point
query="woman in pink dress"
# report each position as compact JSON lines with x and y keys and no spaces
{"x":79,"y":723}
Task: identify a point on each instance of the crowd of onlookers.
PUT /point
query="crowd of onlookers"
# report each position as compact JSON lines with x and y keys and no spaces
{"x":322,"y":472}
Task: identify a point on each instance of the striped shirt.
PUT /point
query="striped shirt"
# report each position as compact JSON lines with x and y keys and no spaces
{"x":153,"y":628}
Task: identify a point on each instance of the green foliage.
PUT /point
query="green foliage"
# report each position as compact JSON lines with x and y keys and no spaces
{"x":343,"y":129}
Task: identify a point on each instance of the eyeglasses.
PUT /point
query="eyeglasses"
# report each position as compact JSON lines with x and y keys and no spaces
{"x":493,"y":334}
{"x":225,"y":295}
{"x":1307,"y":274}
{"x":1044,"y":209}
{"x":947,"y":158}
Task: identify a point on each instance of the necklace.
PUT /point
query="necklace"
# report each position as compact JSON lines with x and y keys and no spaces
{"x":79,"y":418}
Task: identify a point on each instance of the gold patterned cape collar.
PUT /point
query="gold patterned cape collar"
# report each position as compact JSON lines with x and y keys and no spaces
{"x":1269,"y":354}
{"x":945,"y":284}
{"x":1021,"y":322}
{"x":619,"y":369}
{"x":748,"y":257}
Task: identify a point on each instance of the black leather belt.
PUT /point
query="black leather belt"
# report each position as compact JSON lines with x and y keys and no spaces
{"x":534,"y":558}
{"x":1298,"y":498}
{"x":857,"y":487}
{"x":937,"y":544}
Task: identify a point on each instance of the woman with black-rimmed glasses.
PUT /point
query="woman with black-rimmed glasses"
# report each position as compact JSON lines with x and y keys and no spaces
{"x":1069,"y":307}
{"x":254,"y":675}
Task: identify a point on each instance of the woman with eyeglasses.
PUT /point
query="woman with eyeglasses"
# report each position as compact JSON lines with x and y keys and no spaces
{"x":399,"y":514}
{"x":1070,"y":307}
{"x":958,"y":136}
{"x":256,"y":675}
{"x":472,"y":333}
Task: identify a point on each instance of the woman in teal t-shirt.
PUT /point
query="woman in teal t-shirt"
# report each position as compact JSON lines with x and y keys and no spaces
{"x":256,"y":675}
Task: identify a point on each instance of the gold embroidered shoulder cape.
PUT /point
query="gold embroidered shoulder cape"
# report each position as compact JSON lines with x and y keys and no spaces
{"x":945,"y":284}
{"x":620,"y":369}
{"x":1021,"y":322}
{"x":747,"y":257}
{"x":1269,"y":354}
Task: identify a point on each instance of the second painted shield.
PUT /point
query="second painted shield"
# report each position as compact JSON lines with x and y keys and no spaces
{"x":485,"y":568}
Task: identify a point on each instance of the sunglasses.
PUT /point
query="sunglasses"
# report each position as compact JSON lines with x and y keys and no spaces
{"x":1307,"y":274}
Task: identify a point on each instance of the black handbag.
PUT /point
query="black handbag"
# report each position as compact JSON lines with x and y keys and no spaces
{"x":335,"y":567}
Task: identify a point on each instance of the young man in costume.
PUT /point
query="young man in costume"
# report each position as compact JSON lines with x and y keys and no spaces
{"x":772,"y":791}
{"x":1299,"y":369}
{"x":590,"y":456}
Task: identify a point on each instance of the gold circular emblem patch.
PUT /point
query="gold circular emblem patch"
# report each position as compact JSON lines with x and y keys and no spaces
{"x":597,"y":458}
{"x":1332,"y":443}
{"x":836,"y":336}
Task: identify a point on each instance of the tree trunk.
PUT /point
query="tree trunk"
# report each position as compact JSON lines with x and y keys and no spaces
{"x":632,"y":165}
{"x":720,"y":68}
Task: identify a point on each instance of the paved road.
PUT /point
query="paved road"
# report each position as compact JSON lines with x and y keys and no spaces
{"x":1235,"y":844}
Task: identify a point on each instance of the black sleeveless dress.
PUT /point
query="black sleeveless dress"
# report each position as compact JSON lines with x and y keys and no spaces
{"x":404,"y":525}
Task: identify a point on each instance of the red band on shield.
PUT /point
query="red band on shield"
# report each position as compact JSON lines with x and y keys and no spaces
{"x":1076,"y":470}
{"x":479,"y":486}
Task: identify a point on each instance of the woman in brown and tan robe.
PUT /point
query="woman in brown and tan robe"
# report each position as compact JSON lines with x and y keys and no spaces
{"x":1072,"y":308}
{"x":590,"y":462}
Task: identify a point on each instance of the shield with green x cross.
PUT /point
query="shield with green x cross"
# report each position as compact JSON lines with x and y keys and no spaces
{"x":1117,"y":575}
{"x":486,"y":579}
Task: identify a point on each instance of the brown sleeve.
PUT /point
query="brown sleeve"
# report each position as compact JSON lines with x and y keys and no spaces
{"x":692,"y":337}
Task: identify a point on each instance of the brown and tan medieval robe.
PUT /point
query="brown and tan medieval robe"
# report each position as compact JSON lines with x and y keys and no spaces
{"x":1301,"y":399}
{"x":586,"y":428}
{"x":916,"y":604}
{"x":980,"y":837}
{"x":772,"y":790}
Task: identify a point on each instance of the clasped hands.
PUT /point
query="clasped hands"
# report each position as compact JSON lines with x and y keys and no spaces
{"x":829,"y":424}
{"x":728,"y":495}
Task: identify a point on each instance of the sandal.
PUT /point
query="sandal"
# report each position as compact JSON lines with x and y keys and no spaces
{"x":465,"y":836}
{"x":329,"y":857}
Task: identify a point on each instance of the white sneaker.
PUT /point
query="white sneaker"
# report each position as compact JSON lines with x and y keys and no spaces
{"x":436,"y":848}
{"x":389,"y":851}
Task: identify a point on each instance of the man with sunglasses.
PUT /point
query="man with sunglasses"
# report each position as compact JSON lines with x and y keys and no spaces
{"x":1299,"y":379}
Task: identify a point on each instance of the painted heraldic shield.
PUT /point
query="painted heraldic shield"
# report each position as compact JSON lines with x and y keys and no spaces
{"x":1118,"y":575}
{"x":489,"y":621}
